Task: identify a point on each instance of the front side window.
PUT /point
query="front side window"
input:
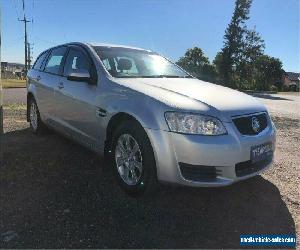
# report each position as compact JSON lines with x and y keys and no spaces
{"x":55,"y":60}
{"x":126,"y":63}
{"x":76,"y":62}
{"x":106,"y":64}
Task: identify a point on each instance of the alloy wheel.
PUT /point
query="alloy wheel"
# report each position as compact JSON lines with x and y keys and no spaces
{"x":128,"y":157}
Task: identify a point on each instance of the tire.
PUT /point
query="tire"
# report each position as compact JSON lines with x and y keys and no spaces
{"x":36,"y":124}
{"x":142,"y":178}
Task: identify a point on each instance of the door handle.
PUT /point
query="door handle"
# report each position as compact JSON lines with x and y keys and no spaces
{"x":60,"y":85}
{"x":38,"y":78}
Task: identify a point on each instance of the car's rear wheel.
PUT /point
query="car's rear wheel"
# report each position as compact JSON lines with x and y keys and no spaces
{"x":36,"y":124}
{"x":133,"y":159}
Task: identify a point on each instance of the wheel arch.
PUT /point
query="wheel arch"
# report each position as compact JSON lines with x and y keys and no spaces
{"x":112,"y":125}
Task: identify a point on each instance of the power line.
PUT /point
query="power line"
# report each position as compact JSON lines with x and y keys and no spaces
{"x":15,"y":6}
{"x":13,"y":42}
{"x":23,"y":6}
{"x":44,"y":41}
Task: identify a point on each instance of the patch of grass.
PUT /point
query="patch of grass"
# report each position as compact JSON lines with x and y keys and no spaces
{"x":13,"y":83}
{"x":14,"y":106}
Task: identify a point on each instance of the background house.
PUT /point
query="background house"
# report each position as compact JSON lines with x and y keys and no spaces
{"x":12,"y":70}
{"x":291,"y":80}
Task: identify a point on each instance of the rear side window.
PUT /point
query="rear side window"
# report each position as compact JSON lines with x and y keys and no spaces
{"x":39,"y":61}
{"x":55,"y":60}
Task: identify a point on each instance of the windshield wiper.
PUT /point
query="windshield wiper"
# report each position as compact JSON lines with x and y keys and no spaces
{"x":162,"y":76}
{"x":127,"y":76}
{"x":155,"y":76}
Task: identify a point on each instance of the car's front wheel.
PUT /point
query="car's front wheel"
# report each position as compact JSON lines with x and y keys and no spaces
{"x":133,"y":159}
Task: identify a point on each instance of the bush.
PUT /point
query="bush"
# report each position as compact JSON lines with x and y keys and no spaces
{"x":273,"y":88}
{"x":279,"y":85}
{"x":285,"y":88}
{"x":293,"y":88}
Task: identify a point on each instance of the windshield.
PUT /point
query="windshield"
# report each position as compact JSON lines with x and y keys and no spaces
{"x":133,"y":63}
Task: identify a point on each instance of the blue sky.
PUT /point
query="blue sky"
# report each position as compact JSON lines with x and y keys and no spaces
{"x":166,"y":26}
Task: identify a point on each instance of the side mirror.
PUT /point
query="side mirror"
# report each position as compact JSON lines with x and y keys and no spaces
{"x":83,"y":76}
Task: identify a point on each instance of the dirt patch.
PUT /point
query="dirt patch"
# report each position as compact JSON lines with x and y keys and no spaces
{"x":57,"y":194}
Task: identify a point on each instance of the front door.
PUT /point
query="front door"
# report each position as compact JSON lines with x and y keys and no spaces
{"x":76,"y":99}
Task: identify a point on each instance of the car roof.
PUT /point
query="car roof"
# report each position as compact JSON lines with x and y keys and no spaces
{"x":93,"y":44}
{"x":110,"y":45}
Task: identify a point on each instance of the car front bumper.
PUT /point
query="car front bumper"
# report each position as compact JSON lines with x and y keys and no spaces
{"x":208,"y":161}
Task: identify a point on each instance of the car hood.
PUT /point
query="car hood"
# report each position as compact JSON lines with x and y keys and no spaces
{"x":228,"y":101}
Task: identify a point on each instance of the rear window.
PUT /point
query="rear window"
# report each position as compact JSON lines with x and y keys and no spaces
{"x":40,"y":60}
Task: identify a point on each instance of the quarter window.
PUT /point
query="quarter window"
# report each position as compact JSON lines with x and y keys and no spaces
{"x":55,"y":60}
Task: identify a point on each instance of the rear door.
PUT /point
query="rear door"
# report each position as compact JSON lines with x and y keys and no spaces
{"x":35,"y":75}
{"x":49,"y":80}
{"x":77,"y":109}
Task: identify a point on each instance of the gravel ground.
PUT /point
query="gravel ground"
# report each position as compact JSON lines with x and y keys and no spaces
{"x":283,"y":104}
{"x":56,"y":194}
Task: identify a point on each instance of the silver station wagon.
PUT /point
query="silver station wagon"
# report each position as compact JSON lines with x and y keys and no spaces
{"x":154,"y":121}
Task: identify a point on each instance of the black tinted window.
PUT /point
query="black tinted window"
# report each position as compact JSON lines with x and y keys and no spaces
{"x":39,"y":61}
{"x":55,"y":60}
{"x":76,"y":62}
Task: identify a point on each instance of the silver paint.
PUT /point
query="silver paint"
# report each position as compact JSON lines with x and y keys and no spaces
{"x":74,"y":111}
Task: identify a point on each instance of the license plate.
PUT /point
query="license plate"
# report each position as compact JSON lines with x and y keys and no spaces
{"x":261,"y":152}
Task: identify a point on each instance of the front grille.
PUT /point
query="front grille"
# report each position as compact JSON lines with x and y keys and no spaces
{"x":198,"y":172}
{"x":245,"y":124}
{"x":247,"y":167}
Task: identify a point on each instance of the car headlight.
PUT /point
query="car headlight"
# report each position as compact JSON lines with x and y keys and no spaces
{"x":194,"y":124}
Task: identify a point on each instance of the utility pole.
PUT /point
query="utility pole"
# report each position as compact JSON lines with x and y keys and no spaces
{"x":25,"y":42}
{"x":25,"y":37}
{"x":29,"y":56}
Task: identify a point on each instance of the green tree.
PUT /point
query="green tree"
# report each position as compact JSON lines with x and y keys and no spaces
{"x":268,"y":71}
{"x":195,"y":62}
{"x":253,"y":48}
{"x":218,"y":63}
{"x":234,"y":40}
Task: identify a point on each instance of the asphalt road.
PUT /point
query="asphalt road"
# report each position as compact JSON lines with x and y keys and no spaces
{"x":57,"y":194}
{"x":14,"y":96}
